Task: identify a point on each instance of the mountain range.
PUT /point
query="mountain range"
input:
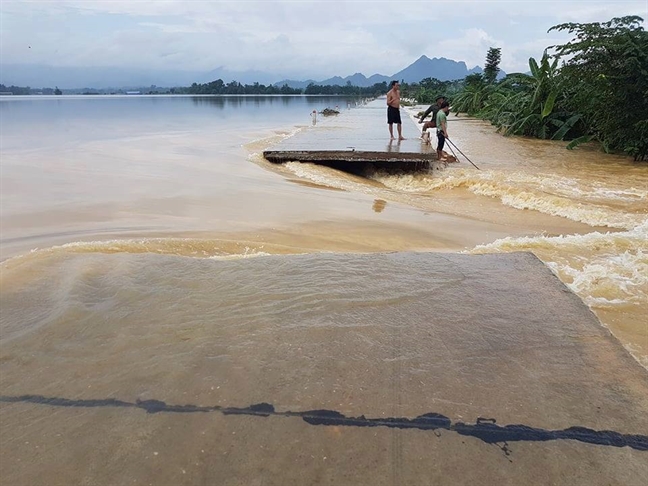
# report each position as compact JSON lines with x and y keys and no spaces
{"x":440,"y":68}
{"x":37,"y":76}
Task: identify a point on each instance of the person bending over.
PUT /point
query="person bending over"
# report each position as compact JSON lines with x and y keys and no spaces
{"x":434,"y":109}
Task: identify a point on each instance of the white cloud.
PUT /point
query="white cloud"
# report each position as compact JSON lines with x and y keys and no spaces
{"x":298,"y":38}
{"x":602,"y":12}
{"x":470,"y":47}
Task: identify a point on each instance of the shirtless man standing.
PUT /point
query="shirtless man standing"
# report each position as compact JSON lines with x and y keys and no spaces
{"x":393,"y":110}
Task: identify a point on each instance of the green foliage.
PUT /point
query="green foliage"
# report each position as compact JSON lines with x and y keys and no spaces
{"x":577,"y":141}
{"x":218,"y":87}
{"x":16,"y":90}
{"x":538,"y":96}
{"x":605,"y":75}
{"x":491,"y":68}
{"x":638,"y":147}
{"x":376,"y":90}
{"x":520,"y":104}
{"x":600,"y":92}
{"x":428,"y":89}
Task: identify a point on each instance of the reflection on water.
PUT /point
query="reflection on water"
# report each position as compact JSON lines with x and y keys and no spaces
{"x":258,"y":101}
{"x":379,"y":205}
{"x":393,"y":146}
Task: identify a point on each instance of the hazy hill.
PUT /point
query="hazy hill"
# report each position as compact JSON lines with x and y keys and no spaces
{"x":440,"y":68}
{"x":243,"y":77}
{"x":38,"y":76}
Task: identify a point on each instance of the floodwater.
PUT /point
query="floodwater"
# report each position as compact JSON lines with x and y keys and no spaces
{"x":149,"y":252}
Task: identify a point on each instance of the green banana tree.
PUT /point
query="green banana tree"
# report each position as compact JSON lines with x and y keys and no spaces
{"x":531,"y":120}
{"x":474,"y":96}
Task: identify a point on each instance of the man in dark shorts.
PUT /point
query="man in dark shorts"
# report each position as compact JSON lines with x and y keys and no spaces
{"x":442,"y":128}
{"x":393,"y":110}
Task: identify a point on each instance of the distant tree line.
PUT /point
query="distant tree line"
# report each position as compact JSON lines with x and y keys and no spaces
{"x":219,"y":87}
{"x":593,"y":88}
{"x":347,"y":90}
{"x":427,"y":90}
{"x":21,"y":91}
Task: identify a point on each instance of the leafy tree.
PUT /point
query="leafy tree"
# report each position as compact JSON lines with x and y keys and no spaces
{"x":600,"y":92}
{"x":472,"y":98}
{"x":218,"y":87}
{"x":535,"y":115}
{"x":285,"y":89}
{"x":491,"y":68}
{"x":605,"y":74}
{"x":57,"y":91}
{"x":16,"y":90}
{"x":428,"y":89}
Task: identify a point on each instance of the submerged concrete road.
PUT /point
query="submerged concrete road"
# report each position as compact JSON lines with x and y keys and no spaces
{"x":356,"y":135}
{"x":444,"y":369}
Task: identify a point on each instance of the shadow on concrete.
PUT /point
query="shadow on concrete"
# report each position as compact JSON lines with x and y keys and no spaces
{"x":484,"y":429}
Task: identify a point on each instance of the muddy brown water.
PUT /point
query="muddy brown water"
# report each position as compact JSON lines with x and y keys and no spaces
{"x":128,"y":232}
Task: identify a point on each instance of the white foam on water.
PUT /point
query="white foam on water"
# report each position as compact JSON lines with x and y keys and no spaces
{"x":408,"y":182}
{"x":247,"y":253}
{"x":611,"y":242}
{"x":257,"y":146}
{"x":604,"y":268}
{"x":609,"y":280}
{"x":636,"y":352}
{"x":549,"y":194}
{"x":607,"y":271}
{"x":327,"y":176}
{"x":184,"y":247}
{"x":631,"y":195}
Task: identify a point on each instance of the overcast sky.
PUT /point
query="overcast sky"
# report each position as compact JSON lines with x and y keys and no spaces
{"x":299,"y":39}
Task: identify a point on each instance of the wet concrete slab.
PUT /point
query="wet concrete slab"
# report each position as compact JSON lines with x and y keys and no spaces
{"x":440,"y":369}
{"x":356,"y":135}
